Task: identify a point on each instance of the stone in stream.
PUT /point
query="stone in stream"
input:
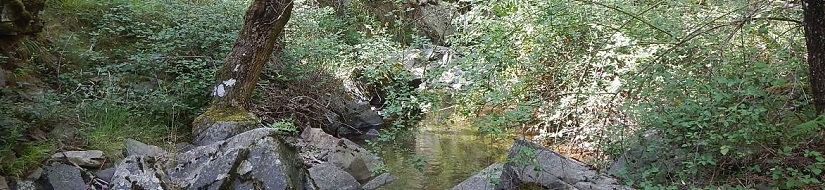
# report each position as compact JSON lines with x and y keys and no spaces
{"x":529,"y":165}
{"x":379,"y":181}
{"x":483,"y":180}
{"x":355,"y":160}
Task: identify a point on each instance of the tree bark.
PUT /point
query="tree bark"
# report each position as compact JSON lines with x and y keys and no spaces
{"x":263,"y":25}
{"x":815,"y":40}
{"x":229,"y":113}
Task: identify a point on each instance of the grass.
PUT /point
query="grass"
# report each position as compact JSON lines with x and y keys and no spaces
{"x":31,"y":154}
{"x":112,"y":124}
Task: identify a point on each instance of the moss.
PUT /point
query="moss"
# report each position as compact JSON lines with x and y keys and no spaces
{"x":226,"y":114}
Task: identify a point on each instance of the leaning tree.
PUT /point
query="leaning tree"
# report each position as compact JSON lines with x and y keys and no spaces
{"x":229,"y":112}
{"x":815,"y":40}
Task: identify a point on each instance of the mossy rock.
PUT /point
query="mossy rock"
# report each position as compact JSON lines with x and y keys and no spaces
{"x":219,"y":124}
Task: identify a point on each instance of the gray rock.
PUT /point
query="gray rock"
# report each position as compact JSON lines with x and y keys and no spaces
{"x":61,"y":176}
{"x":254,"y":159}
{"x":379,"y":181}
{"x":3,"y":184}
{"x":106,"y":174}
{"x":137,"y":148}
{"x":183,"y":147}
{"x":483,"y":180}
{"x":208,"y":132}
{"x":139,"y":172}
{"x":356,"y":120}
{"x":309,"y":184}
{"x":89,"y":158}
{"x":529,"y":164}
{"x":329,"y":177}
{"x":317,"y":138}
{"x":355,"y":160}
{"x":35,"y":174}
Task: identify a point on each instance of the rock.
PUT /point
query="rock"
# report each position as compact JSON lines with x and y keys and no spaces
{"x":379,"y":181}
{"x":35,"y":174}
{"x":89,"y":158}
{"x":62,"y":176}
{"x":529,"y":164}
{"x":356,"y":161}
{"x":309,"y":184}
{"x":139,"y":172}
{"x":329,"y":177}
{"x":357,"y":118}
{"x":651,"y":151}
{"x":209,"y":132}
{"x":317,"y":138}
{"x":482,"y":180}
{"x":3,"y":184}
{"x":135,"y":148}
{"x":257,"y":158}
{"x":183,"y":147}
{"x":106,"y":174}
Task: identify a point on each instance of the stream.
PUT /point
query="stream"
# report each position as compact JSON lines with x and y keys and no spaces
{"x":441,"y":154}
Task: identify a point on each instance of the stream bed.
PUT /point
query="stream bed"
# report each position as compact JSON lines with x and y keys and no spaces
{"x":441,"y":154}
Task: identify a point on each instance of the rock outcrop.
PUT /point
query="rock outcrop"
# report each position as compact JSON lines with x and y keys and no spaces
{"x":322,"y":151}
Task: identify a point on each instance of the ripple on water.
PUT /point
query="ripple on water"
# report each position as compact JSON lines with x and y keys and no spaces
{"x":451,"y":153}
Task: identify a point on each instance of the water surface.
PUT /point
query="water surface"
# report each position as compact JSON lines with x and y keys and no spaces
{"x":445,"y":150}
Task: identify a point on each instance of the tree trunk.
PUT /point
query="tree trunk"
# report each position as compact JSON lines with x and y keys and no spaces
{"x":815,"y":40}
{"x":229,"y":112}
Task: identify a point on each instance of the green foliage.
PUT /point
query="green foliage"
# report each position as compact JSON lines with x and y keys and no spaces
{"x":285,"y":126}
{"x":109,"y":125}
{"x":18,"y":153}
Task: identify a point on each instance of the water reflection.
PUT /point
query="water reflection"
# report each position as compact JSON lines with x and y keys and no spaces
{"x":448,"y":152}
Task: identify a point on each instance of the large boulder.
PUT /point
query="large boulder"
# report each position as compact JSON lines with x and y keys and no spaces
{"x":355,"y":160}
{"x":483,"y":180}
{"x":216,"y":125}
{"x":531,"y":165}
{"x":329,"y":177}
{"x":256,"y":159}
